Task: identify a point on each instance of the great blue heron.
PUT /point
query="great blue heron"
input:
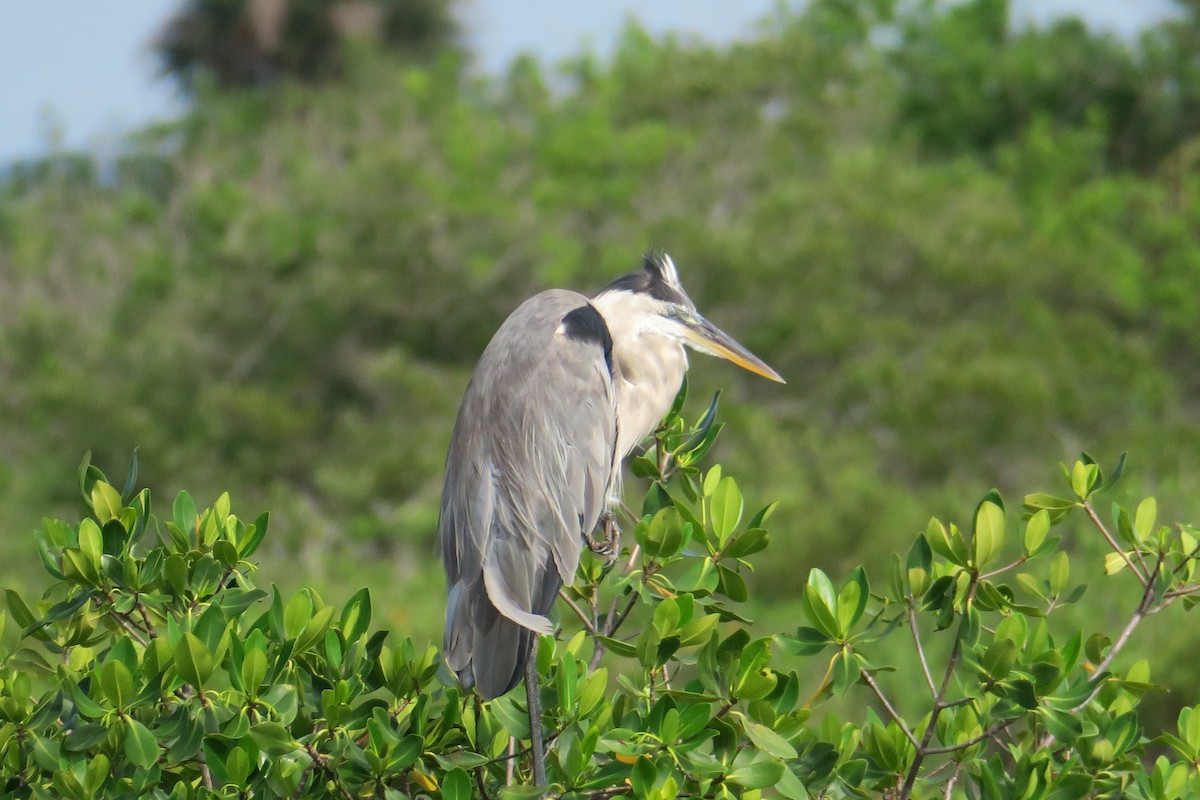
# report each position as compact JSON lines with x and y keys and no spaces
{"x":565,"y":389}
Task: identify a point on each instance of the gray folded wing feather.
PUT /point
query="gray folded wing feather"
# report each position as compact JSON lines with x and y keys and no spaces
{"x":527,"y":476}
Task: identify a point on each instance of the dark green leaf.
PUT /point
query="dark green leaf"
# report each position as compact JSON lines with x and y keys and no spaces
{"x":273,"y":738}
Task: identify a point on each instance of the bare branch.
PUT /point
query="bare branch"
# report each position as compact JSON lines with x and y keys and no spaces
{"x":916,"y":635}
{"x":939,"y":704}
{"x":579,"y":612}
{"x":1141,"y":574}
{"x":1001,"y":570}
{"x":987,"y":734}
{"x":891,"y":711}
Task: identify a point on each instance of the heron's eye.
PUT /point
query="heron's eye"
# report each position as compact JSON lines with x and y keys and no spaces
{"x":676,"y":312}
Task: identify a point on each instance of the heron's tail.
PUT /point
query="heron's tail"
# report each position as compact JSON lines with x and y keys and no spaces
{"x":484,"y":648}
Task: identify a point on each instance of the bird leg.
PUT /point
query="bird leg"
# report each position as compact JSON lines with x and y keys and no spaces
{"x":610,"y":545}
{"x":536,"y":744}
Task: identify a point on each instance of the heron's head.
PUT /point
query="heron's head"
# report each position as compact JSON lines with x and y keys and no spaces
{"x":652,"y":301}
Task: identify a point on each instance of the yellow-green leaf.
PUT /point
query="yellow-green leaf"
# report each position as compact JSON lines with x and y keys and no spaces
{"x":106,"y":502}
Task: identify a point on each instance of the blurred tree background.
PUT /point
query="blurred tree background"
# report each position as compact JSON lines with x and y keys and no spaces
{"x":970,"y":247}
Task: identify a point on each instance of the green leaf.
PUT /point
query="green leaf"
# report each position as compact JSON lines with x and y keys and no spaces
{"x":592,"y":692}
{"x":106,"y":503}
{"x":642,"y":777}
{"x":296,"y":614}
{"x":1060,"y":572}
{"x":97,"y":772}
{"x":407,"y":752}
{"x":225,"y":552}
{"x":662,"y":537}
{"x":948,"y":543}
{"x":1115,"y":562}
{"x":21,"y":612}
{"x":1147,"y":513}
{"x":1061,"y":724}
{"x":130,"y":477}
{"x":757,"y":774}
{"x":273,"y":738}
{"x":989,"y":533}
{"x":356,"y":616}
{"x":84,"y":704}
{"x":140,"y":745}
{"x":820,"y":603}
{"x":1083,"y":477}
{"x":621,"y":648}
{"x":254,"y":669}
{"x":852,"y":600}
{"x":725,"y":509}
{"x":116,"y":683}
{"x":845,"y":673}
{"x":918,"y":564}
{"x":767,"y":740}
{"x":184,"y":514}
{"x":193,"y":660}
{"x":751,"y":541}
{"x":790,"y":786}
{"x":806,"y":642}
{"x":456,"y":785}
{"x":1057,"y":507}
{"x":1115,"y":475}
{"x":514,"y":720}
{"x":78,"y":567}
{"x":1036,"y":530}
{"x":253,"y":536}
{"x":47,"y":753}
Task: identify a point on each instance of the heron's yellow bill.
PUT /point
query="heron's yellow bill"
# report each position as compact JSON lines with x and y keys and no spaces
{"x":708,"y":338}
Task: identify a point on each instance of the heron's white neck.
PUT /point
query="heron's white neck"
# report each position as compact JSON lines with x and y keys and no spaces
{"x":648,"y":364}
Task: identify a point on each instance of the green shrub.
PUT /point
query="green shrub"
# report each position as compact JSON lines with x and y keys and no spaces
{"x":153,"y":667}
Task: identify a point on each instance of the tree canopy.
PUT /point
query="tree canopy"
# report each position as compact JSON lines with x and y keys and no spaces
{"x":969,"y":247}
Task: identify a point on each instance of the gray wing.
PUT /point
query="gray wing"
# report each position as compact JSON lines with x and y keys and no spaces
{"x":527,"y":475}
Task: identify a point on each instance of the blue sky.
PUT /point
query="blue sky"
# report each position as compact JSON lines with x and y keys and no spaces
{"x":81,"y":70}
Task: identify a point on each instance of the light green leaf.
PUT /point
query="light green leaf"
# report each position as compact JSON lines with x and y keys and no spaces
{"x":989,"y":533}
{"x":1147,"y":513}
{"x":1036,"y":530}
{"x":106,"y":502}
{"x":767,"y":740}
{"x":725,"y":508}
{"x":1060,"y":572}
{"x":757,"y":774}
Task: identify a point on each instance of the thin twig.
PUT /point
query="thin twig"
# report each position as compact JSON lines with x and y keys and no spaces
{"x":1141,"y":574}
{"x":938,"y":704}
{"x":1184,"y":592}
{"x":620,"y":620}
{"x":916,"y":635}
{"x":953,"y":780}
{"x":1001,"y":570}
{"x":129,"y":625}
{"x":1143,"y":610}
{"x":205,"y":774}
{"x":989,"y":733}
{"x":146,"y":617}
{"x":511,"y":761}
{"x":1187,"y":559}
{"x":866,"y":676}
{"x":579,"y":612}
